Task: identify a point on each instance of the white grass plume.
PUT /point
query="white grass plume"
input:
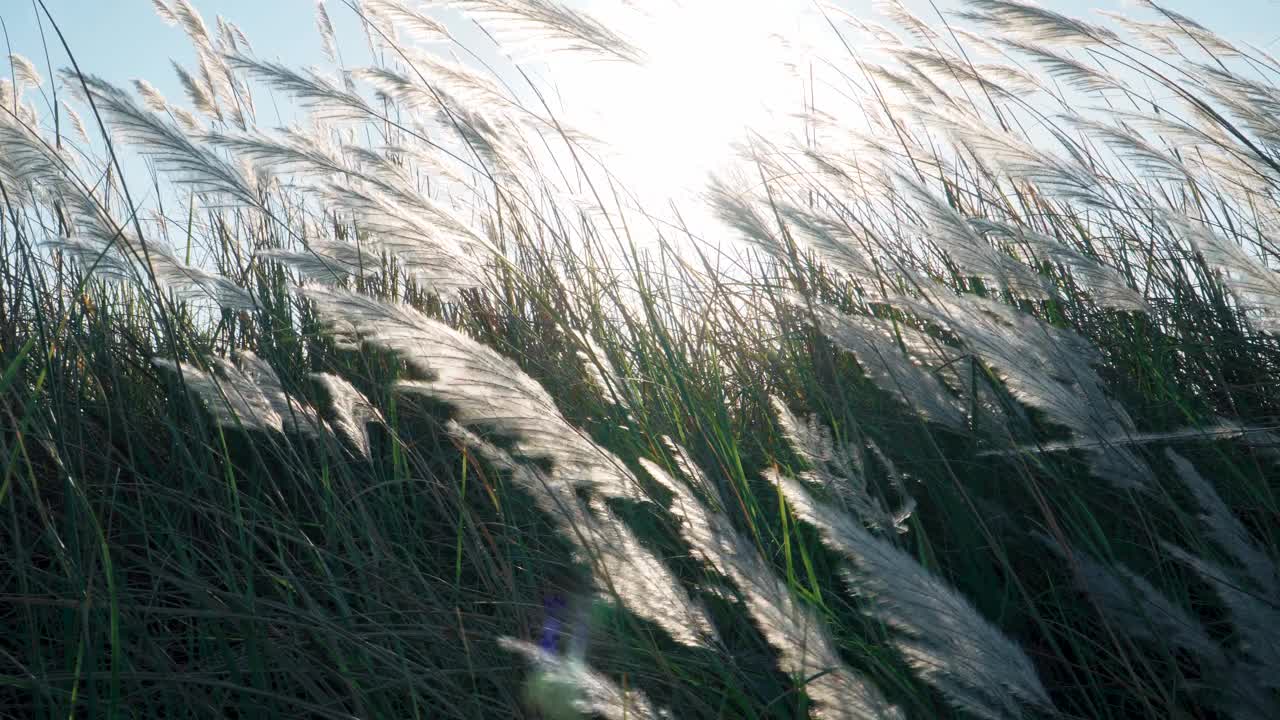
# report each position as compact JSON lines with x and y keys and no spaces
{"x":99,"y":243}
{"x":324,"y":98}
{"x":1225,"y":529}
{"x":77,"y":123}
{"x":943,"y":637}
{"x":1046,"y":367}
{"x":28,"y":161}
{"x":954,"y":367}
{"x":898,"y":13}
{"x":1036,"y":23}
{"x":1137,"y":608}
{"x":1255,"y":286}
{"x":171,"y":149}
{"x":1251,"y":590}
{"x":1179,"y":24}
{"x":151,"y":96}
{"x":436,"y":252}
{"x":484,"y":387}
{"x":25,"y":74}
{"x":393,"y":16}
{"x":1105,"y":285}
{"x":831,"y":240}
{"x":742,"y":213}
{"x":805,"y":649}
{"x":246,"y":394}
{"x":192,"y":22}
{"x":1067,"y":179}
{"x":1065,"y":68}
{"x":297,"y":150}
{"x":200,"y":95}
{"x":600,"y":370}
{"x":350,"y":412}
{"x":328,"y":42}
{"x":153,"y":99}
{"x":1155,"y":163}
{"x":487,"y":131}
{"x":894,"y":373}
{"x":547,"y":26}
{"x":839,"y":470}
{"x":621,"y":567}
{"x":164,"y":12}
{"x":952,"y":233}
{"x":326,"y":261}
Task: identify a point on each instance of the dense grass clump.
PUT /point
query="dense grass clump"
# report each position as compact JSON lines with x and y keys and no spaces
{"x":410,"y":410}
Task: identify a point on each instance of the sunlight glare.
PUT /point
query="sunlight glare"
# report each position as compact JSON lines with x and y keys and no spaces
{"x":713,"y":70}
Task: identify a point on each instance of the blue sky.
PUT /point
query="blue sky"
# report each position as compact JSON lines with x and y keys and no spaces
{"x":123,"y":39}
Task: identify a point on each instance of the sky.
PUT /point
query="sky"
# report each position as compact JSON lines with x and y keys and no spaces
{"x":124,"y":39}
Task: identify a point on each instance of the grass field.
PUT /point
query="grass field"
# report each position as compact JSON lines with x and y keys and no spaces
{"x":965,"y":407}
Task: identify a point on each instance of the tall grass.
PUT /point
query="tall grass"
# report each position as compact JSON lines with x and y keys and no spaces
{"x":409,"y":411}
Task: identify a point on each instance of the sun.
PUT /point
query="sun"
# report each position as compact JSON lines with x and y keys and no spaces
{"x":713,"y":72}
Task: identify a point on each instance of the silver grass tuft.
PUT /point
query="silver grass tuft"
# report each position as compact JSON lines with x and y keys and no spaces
{"x":621,"y":566}
{"x":1105,"y":285}
{"x":1138,"y":608}
{"x":288,"y":150}
{"x":1073,"y":72}
{"x":547,"y":26}
{"x":484,"y":387}
{"x":434,"y":251}
{"x":168,"y":146}
{"x":116,"y":253}
{"x":1181,"y":24}
{"x":164,"y":12}
{"x":151,"y":96}
{"x":1155,"y":162}
{"x":839,"y":470}
{"x":951,"y":232}
{"x":600,"y":369}
{"x":745,"y":215}
{"x":25,"y":74}
{"x":805,"y":649}
{"x":1226,"y":530}
{"x":1254,"y":285}
{"x":1046,"y":367}
{"x":1036,"y":23}
{"x":1251,"y":591}
{"x":956,"y":369}
{"x":898,"y":13}
{"x":833,"y":242}
{"x":872,"y":344}
{"x":246,"y":394}
{"x":1154,"y":37}
{"x":328,"y":43}
{"x":944,"y":638}
{"x":99,"y":243}
{"x":326,"y":261}
{"x":492,"y":136}
{"x":191,"y":21}
{"x":324,"y":98}
{"x":393,"y":16}
{"x":200,"y":94}
{"x":1255,"y":615}
{"x":77,"y":123}
{"x":350,"y":412}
